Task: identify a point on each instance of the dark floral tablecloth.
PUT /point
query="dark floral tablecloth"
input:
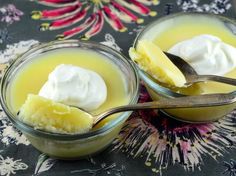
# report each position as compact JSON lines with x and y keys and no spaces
{"x":149,"y":144}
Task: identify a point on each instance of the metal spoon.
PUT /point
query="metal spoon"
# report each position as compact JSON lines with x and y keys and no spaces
{"x":180,"y":102}
{"x":192,"y":76}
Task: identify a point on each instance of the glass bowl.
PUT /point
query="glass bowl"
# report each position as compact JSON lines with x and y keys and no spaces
{"x":158,"y":91}
{"x":71,"y":146}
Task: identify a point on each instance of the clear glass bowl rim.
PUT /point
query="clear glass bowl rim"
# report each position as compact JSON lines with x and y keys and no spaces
{"x":144,"y":76}
{"x":69,"y":137}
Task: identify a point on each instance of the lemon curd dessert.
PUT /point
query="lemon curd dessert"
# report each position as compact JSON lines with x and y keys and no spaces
{"x":188,"y":29}
{"x":34,"y":78}
{"x":42,"y":88}
{"x":208,"y":45}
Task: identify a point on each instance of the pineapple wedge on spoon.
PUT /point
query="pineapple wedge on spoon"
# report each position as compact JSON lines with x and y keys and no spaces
{"x":54,"y":117}
{"x":168,"y":68}
{"x":151,"y":59}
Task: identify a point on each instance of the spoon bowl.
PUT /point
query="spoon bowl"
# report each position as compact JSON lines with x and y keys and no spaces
{"x":192,"y":76}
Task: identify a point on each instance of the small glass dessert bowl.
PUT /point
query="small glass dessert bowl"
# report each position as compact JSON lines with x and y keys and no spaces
{"x":27,"y":74}
{"x":190,"y":35}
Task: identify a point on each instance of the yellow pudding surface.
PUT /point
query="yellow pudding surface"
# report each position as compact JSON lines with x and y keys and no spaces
{"x":32,"y":75}
{"x":172,"y":31}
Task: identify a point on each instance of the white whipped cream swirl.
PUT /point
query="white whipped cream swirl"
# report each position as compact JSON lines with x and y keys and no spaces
{"x":76,"y":86}
{"x":207,"y":54}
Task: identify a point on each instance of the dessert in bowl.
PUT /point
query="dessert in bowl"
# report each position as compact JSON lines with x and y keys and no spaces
{"x":207,"y":42}
{"x":107,"y":80}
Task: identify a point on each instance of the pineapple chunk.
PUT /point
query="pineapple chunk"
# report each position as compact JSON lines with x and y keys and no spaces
{"x":48,"y":115}
{"x":152,"y":60}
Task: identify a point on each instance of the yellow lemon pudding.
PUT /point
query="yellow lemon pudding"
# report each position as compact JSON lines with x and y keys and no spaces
{"x":47,"y":120}
{"x":210,"y":45}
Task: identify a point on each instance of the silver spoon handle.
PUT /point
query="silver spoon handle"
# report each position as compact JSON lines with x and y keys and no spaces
{"x":180,"y":102}
{"x":202,"y":78}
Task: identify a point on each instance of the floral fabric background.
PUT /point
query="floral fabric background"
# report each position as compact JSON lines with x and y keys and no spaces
{"x":149,"y":144}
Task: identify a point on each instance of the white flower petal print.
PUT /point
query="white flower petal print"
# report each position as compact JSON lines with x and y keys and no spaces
{"x":44,"y":163}
{"x":2,"y":114}
{"x":110,"y":41}
{"x":216,"y":6}
{"x":9,"y":134}
{"x":9,"y":14}
{"x":9,"y":166}
{"x":14,"y":50}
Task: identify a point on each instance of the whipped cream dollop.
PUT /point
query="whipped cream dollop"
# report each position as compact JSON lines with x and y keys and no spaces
{"x":207,"y":54}
{"x":76,"y":86}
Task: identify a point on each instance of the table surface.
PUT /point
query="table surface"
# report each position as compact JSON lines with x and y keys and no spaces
{"x":181,"y":148}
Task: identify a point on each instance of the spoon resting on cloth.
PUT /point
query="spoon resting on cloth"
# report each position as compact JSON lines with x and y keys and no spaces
{"x":180,"y":102}
{"x":192,"y":76}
